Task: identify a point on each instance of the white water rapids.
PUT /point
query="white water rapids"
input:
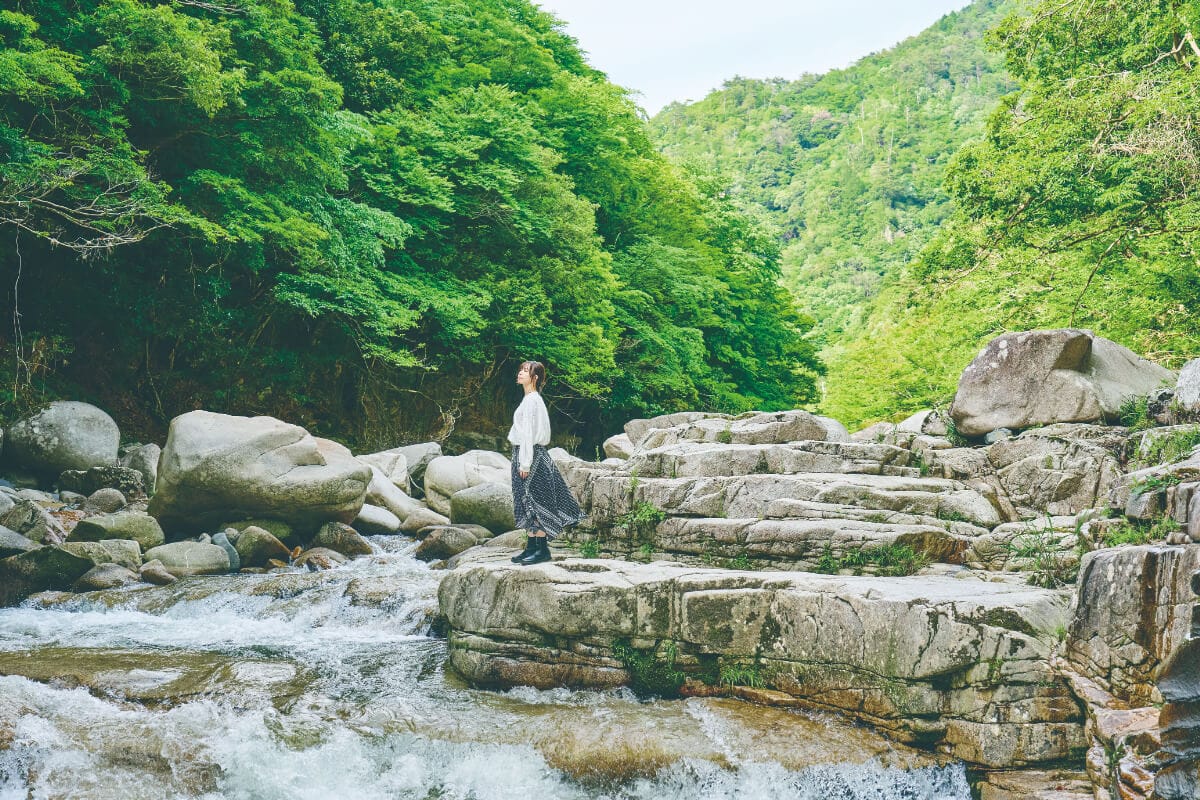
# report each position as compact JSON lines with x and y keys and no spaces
{"x":329,"y":685}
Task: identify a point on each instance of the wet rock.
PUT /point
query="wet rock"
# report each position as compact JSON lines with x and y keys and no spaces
{"x":13,"y":543}
{"x":217,"y":466}
{"x":141,"y":528}
{"x":123,"y":552}
{"x":256,"y":546}
{"x":341,"y":539}
{"x":373,"y":520}
{"x":105,"y":576}
{"x":39,"y":570}
{"x":320,"y":558}
{"x":449,"y":474}
{"x":618,"y":446}
{"x":155,"y":572}
{"x":487,"y":504}
{"x":128,"y":482}
{"x":444,"y":541}
{"x":66,"y":435}
{"x":34,"y":522}
{"x":143,"y":458}
{"x":190,"y":558}
{"x":106,"y":501}
{"x":1021,"y":380}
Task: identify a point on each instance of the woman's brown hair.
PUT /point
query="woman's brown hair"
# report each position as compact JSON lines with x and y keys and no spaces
{"x":538,"y":370}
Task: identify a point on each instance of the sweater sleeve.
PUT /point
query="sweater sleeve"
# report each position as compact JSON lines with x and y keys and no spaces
{"x":525,"y":435}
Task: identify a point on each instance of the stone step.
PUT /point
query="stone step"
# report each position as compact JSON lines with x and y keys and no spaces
{"x":946,"y":662}
{"x":819,"y":545}
{"x":712,"y":459}
{"x":611,"y":498}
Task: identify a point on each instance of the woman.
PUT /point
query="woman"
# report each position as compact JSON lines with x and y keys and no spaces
{"x":542,"y":503}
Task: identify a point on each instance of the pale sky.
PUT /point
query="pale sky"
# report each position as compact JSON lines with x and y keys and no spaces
{"x":682,"y":49}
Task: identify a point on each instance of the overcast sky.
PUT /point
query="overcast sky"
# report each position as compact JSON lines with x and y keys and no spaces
{"x":682,"y":49}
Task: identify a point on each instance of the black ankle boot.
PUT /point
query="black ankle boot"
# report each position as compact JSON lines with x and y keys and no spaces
{"x":530,"y":549}
{"x":540,"y":553}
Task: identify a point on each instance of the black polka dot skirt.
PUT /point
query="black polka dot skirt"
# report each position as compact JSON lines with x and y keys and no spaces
{"x":542,"y":502}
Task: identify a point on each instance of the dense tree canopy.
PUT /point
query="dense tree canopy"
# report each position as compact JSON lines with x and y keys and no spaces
{"x":357,"y":215}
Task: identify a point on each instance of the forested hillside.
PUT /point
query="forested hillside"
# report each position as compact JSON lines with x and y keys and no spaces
{"x":358,"y":215}
{"x":963,"y":184}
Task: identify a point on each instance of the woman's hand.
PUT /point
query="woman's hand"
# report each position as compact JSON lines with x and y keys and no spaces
{"x":524,"y":474}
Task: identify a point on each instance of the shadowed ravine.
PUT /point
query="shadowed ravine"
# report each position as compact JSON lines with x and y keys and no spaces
{"x":319,"y":685}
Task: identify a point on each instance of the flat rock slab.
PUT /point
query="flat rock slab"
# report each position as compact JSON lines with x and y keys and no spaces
{"x":956,"y":663}
{"x":710,"y":459}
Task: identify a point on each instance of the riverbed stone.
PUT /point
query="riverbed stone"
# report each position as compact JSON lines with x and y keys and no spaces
{"x":221,"y":540}
{"x":33,"y":521}
{"x":256,"y":546}
{"x":65,"y":435}
{"x":422,"y":518}
{"x":141,"y":528}
{"x":1133,"y":609}
{"x":383,"y":492}
{"x":156,"y":573}
{"x":486,"y":504}
{"x":444,"y":541}
{"x":128,"y":482}
{"x":751,"y":428}
{"x":449,"y":474}
{"x":190,"y":558}
{"x":106,"y":501}
{"x":418,"y":457}
{"x":374,"y":520}
{"x":49,"y":567}
{"x":124,"y":552}
{"x":13,"y":543}
{"x":277,"y":528}
{"x":1047,"y":471}
{"x":941,"y":661}
{"x":317,"y":559}
{"x":217,"y":466}
{"x":1187,"y":390}
{"x":392,"y":465}
{"x":341,"y":539}
{"x":143,"y":458}
{"x":105,"y":576}
{"x":1038,"y":377}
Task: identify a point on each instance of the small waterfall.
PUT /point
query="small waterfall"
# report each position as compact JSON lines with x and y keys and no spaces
{"x":328,"y":685}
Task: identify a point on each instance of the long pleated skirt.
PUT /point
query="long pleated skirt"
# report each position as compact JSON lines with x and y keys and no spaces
{"x":542,"y":502}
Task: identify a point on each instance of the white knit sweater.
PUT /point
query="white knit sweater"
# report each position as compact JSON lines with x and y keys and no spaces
{"x":531,"y":425}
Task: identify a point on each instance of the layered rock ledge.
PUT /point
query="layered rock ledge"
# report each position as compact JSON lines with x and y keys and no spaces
{"x":954,"y":663}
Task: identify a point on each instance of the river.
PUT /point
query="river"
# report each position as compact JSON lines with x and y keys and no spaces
{"x":331,"y":685}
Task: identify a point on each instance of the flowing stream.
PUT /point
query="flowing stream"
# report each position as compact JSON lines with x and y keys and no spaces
{"x":330,"y":685}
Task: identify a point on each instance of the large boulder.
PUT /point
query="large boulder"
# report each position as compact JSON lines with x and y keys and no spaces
{"x":144,"y":459}
{"x":1039,"y":377}
{"x":190,"y":558}
{"x":444,"y":541}
{"x":256,"y":546}
{"x":105,"y":576}
{"x":216,"y":467}
{"x":66,"y":435}
{"x":39,"y":570}
{"x":141,"y":528}
{"x":618,"y":446}
{"x":341,"y":539}
{"x":1132,"y":610}
{"x":124,"y":552}
{"x":449,"y":474}
{"x":1187,"y":390}
{"x":488,"y":504}
{"x":776,"y":427}
{"x":419,"y":457}
{"x":129,"y":482}
{"x":392,"y":464}
{"x":30,"y":519}
{"x":376,"y":520}
{"x":382,"y":491}
{"x":13,"y":543}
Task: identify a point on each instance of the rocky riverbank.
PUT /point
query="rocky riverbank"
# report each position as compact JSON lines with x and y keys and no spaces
{"x":1009,"y":582}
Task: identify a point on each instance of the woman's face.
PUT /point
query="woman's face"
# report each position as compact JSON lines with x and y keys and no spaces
{"x":523,"y":375}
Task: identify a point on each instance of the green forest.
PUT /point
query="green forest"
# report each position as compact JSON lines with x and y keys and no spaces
{"x":1014,"y":166}
{"x":359,"y":216}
